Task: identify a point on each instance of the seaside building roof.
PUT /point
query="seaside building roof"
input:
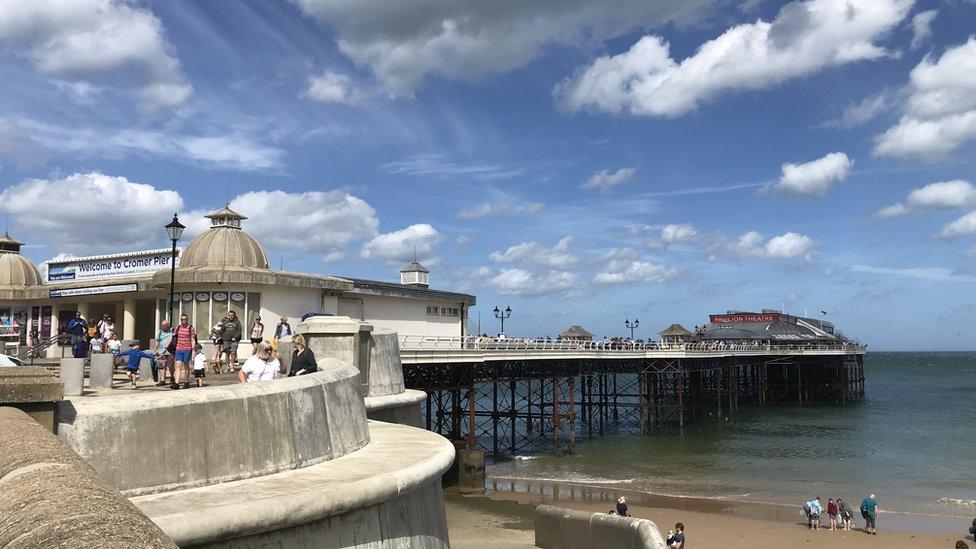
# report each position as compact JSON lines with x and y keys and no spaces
{"x":767,"y":326}
{"x":676,"y":330}
{"x":16,"y":271}
{"x":576,"y":332}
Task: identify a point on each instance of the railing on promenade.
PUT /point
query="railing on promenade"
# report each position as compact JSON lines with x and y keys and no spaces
{"x":432,"y":343}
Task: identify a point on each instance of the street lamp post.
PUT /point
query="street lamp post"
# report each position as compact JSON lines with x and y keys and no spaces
{"x":502,"y":315}
{"x":631,"y":325}
{"x":175,"y":230}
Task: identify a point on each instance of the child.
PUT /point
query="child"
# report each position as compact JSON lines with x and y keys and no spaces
{"x":135,"y":355}
{"x":832,"y":513}
{"x":199,"y":364}
{"x":114,"y":345}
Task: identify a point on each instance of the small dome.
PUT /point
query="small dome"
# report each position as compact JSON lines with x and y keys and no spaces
{"x":414,"y":267}
{"x":16,"y":271}
{"x":224,"y":245}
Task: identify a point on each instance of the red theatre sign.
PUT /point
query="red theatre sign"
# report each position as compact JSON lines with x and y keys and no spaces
{"x":733,"y":319}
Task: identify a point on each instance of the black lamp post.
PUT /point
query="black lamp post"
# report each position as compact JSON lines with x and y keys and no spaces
{"x":502,"y":315}
{"x":631,"y":325}
{"x":175,"y":230}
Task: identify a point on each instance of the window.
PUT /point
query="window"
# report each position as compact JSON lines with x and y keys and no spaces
{"x":450,"y":311}
{"x":432,"y":310}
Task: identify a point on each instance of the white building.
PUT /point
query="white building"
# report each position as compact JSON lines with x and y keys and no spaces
{"x":222,"y":269}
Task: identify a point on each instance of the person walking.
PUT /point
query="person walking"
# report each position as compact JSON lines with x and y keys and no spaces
{"x":164,"y":336}
{"x":846,"y":515}
{"x":199,"y":364}
{"x":78,"y":328}
{"x":257,"y":334}
{"x":232,"y":338}
{"x":185,"y":336}
{"x":676,"y":537}
{"x":135,"y":356}
{"x":813,"y":509}
{"x":262,"y":366}
{"x":217,"y":336}
{"x":92,"y":334}
{"x":106,"y":327}
{"x":303,"y":359}
{"x":832,"y":514}
{"x":869,"y":510}
{"x":283,"y":329}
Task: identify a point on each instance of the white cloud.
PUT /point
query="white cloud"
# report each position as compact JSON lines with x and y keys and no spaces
{"x":805,"y":37}
{"x":462,"y":241}
{"x":419,"y":239}
{"x":785,"y":246}
{"x":606,"y":181}
{"x":680,"y":233}
{"x":402,"y":42}
{"x":814,"y":177}
{"x":330,"y":87}
{"x":922,"y":27}
{"x":971,"y":253}
{"x":620,"y":271}
{"x":888,"y":212}
{"x":940,"y":114}
{"x":942,"y":195}
{"x":91,"y":212}
{"x":534,"y":253}
{"x":484,"y":209}
{"x":329,"y":220}
{"x":859,"y":113}
{"x":964,"y":226}
{"x":440,"y":166}
{"x":934,"y":274}
{"x":110,"y":42}
{"x":531,"y":208}
{"x":230,"y":151}
{"x":520,"y":282}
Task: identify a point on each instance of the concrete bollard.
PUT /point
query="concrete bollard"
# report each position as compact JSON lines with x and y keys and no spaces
{"x":471,"y":472}
{"x":73,"y":376}
{"x":145,"y":370}
{"x":102,"y":368}
{"x":285,"y":350}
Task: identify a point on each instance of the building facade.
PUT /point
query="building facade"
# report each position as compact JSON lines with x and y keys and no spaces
{"x":223,"y":269}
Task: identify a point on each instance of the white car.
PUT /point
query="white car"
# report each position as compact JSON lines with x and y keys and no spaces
{"x":6,"y":360}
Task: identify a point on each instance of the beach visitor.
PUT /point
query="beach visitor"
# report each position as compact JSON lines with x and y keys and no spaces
{"x":846,"y":514}
{"x":106,"y":327}
{"x":257,"y":334}
{"x":199,"y":364}
{"x":283,"y":329}
{"x":164,"y":336}
{"x":832,"y":513}
{"x":302,"y":360}
{"x":813,"y":509}
{"x":135,"y":356}
{"x":92,"y":334}
{"x":262,"y":366}
{"x":869,"y":510}
{"x":676,"y":537}
{"x":217,"y":336}
{"x":232,"y":337}
{"x":113,"y":345}
{"x":185,"y":336}
{"x":78,"y":328}
{"x":622,"y":507}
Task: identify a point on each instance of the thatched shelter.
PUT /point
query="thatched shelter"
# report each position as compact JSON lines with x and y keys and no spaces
{"x":577,"y":333}
{"x":676,"y":333}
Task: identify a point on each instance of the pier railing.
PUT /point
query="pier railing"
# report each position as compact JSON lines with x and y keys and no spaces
{"x":431,"y":343}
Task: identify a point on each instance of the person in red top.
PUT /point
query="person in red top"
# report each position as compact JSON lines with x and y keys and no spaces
{"x":185,"y":337}
{"x":832,"y":513}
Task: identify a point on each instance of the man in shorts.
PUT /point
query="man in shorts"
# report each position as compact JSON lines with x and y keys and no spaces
{"x":185,"y":336}
{"x":813,"y":509}
{"x":869,"y":510}
{"x":232,"y":337}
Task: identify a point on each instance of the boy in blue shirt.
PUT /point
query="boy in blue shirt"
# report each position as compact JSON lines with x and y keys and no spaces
{"x":135,"y":356}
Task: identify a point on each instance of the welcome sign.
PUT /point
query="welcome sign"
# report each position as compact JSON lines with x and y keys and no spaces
{"x":109,"y":266}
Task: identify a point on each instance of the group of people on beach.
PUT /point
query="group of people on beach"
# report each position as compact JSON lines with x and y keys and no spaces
{"x":839,"y":514}
{"x":675,"y":538}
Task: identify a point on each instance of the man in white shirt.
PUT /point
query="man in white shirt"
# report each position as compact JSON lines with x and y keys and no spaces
{"x":262,"y":366}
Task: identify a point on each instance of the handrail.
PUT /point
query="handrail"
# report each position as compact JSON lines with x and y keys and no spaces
{"x":34,"y":350}
{"x":435,"y":343}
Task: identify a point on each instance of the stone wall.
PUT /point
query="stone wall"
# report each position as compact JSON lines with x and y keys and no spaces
{"x":385,"y":370}
{"x":145,"y":443}
{"x":559,"y":528}
{"x":51,"y":498}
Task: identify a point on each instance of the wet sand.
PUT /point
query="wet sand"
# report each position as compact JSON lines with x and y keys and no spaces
{"x":504,"y":519}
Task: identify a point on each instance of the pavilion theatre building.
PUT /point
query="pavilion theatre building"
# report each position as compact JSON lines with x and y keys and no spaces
{"x":223,"y":269}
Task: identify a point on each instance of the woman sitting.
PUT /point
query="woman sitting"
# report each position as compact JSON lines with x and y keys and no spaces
{"x":302,"y":359}
{"x":260,"y":367}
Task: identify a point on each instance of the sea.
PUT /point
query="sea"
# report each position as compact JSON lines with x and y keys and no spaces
{"x":911,"y":440}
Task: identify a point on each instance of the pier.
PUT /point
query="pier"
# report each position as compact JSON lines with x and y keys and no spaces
{"x":509,"y":397}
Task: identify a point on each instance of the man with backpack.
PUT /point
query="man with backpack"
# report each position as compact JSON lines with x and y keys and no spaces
{"x":184,"y":340}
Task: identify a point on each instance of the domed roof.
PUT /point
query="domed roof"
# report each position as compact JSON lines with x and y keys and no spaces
{"x":224,"y":245}
{"x":16,"y":271}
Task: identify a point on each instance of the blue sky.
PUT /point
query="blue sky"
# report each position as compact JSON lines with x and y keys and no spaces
{"x":582,"y":162}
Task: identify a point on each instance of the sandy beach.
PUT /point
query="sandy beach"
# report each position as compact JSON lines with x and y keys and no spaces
{"x":504,"y":519}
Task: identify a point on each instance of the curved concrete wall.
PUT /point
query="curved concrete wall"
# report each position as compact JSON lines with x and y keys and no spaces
{"x":385,"y":370}
{"x":161,"y":441}
{"x":51,"y":498}
{"x":402,"y":408}
{"x":560,"y":528}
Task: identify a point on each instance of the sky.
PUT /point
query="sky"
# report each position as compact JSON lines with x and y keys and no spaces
{"x":583,"y":162}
